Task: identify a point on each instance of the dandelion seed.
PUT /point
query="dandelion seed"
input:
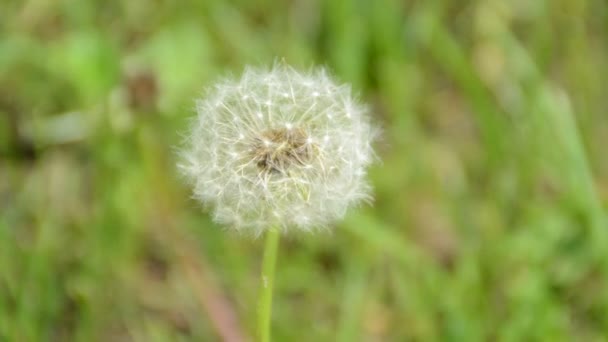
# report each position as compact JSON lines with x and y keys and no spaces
{"x":288,"y":162}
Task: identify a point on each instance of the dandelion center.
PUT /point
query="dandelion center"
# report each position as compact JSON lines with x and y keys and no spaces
{"x":278,"y":149}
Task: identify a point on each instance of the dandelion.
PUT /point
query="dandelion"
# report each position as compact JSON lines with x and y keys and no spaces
{"x":278,"y":150}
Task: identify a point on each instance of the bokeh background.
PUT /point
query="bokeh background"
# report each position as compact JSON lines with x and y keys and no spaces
{"x":490,"y":219}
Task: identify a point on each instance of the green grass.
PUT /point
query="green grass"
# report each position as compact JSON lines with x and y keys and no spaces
{"x":490,"y":219}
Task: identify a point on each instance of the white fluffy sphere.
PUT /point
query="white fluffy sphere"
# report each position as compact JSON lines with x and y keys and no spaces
{"x":279,"y":148}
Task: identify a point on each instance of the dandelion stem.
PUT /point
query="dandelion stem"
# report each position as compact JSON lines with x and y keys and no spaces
{"x":268,"y":269}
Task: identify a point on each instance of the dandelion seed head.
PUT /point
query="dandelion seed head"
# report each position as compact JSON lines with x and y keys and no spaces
{"x":279,"y":148}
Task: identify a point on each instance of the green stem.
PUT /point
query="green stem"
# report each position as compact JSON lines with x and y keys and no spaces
{"x":268,"y":270}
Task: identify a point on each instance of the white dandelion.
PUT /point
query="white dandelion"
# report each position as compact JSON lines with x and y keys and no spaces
{"x":279,"y":149}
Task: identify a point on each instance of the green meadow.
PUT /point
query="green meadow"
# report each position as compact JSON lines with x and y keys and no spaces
{"x":490,"y":212}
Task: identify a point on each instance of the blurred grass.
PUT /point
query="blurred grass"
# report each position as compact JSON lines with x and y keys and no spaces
{"x":490,"y":215}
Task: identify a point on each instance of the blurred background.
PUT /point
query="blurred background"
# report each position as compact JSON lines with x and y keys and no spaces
{"x":490,"y":219}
